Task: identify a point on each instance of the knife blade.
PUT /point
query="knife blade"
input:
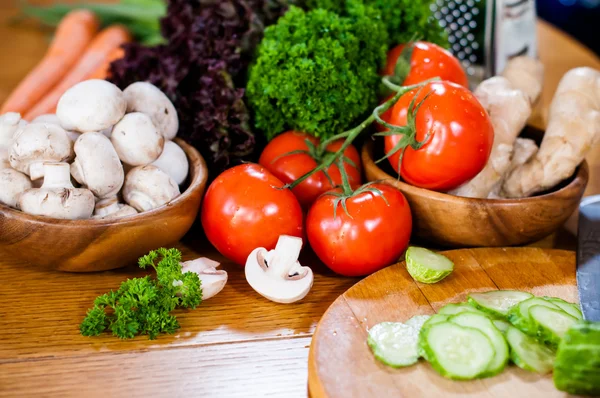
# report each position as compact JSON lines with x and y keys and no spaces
{"x":588,"y":258}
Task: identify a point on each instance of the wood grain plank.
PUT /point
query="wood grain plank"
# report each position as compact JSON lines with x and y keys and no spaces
{"x":468,"y":276}
{"x":274,"y":368}
{"x":41,"y":310}
{"x":553,"y":273}
{"x":391,"y":293}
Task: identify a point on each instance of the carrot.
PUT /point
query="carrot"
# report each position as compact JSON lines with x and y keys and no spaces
{"x":94,"y":57}
{"x":103,"y":71}
{"x":73,"y":35}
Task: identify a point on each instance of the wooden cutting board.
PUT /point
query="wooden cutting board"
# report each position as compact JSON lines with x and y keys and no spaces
{"x":341,"y":364}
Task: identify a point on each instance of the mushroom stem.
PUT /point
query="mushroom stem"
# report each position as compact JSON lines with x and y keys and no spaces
{"x":286,"y":255}
{"x":57,"y":175}
{"x":36,"y":170}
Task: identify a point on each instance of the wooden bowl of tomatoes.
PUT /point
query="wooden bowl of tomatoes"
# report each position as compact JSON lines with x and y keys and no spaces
{"x":455,"y":221}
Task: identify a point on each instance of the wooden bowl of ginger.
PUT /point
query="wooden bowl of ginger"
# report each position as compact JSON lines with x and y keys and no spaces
{"x":91,"y":245}
{"x":454,"y":221}
{"x":533,"y":181}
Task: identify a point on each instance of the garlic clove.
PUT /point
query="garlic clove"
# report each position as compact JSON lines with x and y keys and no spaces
{"x":213,"y":280}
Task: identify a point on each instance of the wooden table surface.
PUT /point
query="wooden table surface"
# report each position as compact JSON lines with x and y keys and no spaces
{"x":234,"y":345}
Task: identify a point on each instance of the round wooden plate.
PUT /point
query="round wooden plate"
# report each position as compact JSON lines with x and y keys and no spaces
{"x":341,"y":364}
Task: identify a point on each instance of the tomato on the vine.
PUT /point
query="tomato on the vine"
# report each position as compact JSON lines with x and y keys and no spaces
{"x":428,"y":60}
{"x":244,"y":208}
{"x":372,"y":234}
{"x":288,"y":167}
{"x":460,"y":142}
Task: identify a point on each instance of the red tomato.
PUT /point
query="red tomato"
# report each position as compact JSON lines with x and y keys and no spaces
{"x":428,"y":61}
{"x":460,"y":143}
{"x":243,"y":209}
{"x":289,"y":168}
{"x":374,"y":237}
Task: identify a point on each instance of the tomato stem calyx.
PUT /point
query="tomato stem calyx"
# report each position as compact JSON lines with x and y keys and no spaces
{"x":342,"y":197}
{"x":408,"y":132}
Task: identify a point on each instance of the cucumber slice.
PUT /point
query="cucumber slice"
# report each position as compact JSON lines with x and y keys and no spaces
{"x":551,"y":325}
{"x":501,"y":325}
{"x":484,"y":325}
{"x":569,"y":308}
{"x":520,"y":318}
{"x":458,"y":352}
{"x":497,"y":302}
{"x":453,"y":309}
{"x":426,"y":266}
{"x":394,"y":343}
{"x":437,"y":318}
{"x":578,"y":360}
{"x":418,"y":321}
{"x":527,"y":353}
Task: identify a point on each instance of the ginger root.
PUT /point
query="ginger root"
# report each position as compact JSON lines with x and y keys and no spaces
{"x":573,"y":128}
{"x":523,"y":151}
{"x":525,"y":74}
{"x":507,"y":100}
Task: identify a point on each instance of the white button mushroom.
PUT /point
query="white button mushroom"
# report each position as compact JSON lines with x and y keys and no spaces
{"x":12,"y":184}
{"x":276,"y":274}
{"x":147,"y":98}
{"x":213,"y":280}
{"x":111,"y":208}
{"x":10,"y":123}
{"x":39,"y":143}
{"x":174,"y":162}
{"x":148,"y":187}
{"x":97,"y":165}
{"x":92,"y":105}
{"x":4,"y":163}
{"x":57,"y":197}
{"x":136,"y":140}
{"x":53,"y":119}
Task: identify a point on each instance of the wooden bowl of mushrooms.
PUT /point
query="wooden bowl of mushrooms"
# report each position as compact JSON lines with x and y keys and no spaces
{"x":100,"y":183}
{"x":525,"y":192}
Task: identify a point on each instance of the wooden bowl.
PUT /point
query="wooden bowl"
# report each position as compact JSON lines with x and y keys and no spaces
{"x":454,"y":221}
{"x":98,"y":245}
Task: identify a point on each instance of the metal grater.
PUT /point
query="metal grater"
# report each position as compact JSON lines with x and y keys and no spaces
{"x":484,"y":34}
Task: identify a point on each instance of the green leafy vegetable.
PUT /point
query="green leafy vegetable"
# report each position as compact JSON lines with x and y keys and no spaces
{"x":143,"y":305}
{"x":141,"y":17}
{"x":403,"y":19}
{"x":203,"y":68}
{"x":316,"y":71}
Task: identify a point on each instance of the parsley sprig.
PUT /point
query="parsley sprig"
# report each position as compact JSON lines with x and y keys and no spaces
{"x":144,"y":305}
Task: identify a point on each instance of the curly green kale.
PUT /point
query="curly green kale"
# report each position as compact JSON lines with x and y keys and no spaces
{"x":403,"y":18}
{"x":317,"y":71}
{"x":143,"y":305}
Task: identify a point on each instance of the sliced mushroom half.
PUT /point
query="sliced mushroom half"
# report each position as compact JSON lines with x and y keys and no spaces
{"x":276,"y":274}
